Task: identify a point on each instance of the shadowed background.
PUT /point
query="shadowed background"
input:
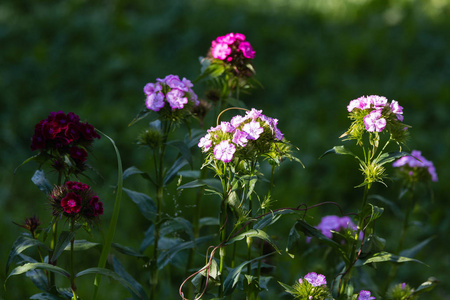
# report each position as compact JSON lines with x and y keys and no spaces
{"x":312,"y":57}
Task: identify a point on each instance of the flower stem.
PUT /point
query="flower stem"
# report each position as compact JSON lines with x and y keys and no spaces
{"x":72,"y":269}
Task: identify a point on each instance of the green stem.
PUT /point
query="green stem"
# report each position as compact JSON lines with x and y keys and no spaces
{"x":72,"y":269}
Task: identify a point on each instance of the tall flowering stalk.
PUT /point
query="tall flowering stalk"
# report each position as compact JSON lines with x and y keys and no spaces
{"x":376,"y":122}
{"x":173,"y":99}
{"x":232,"y":151}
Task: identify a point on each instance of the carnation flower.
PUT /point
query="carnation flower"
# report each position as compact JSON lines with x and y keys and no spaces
{"x":75,"y":200}
{"x":220,"y":51}
{"x":63,"y":137}
{"x":224,"y":151}
{"x":416,"y":167}
{"x":374,"y":121}
{"x":315,"y":279}
{"x":171,"y":89}
{"x":365,"y":295}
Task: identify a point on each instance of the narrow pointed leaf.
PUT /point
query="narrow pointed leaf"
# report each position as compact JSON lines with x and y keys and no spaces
{"x":120,"y":270}
{"x":109,"y":273}
{"x":81,"y":245}
{"x":254,"y":233}
{"x":177,"y":165}
{"x":32,"y":266}
{"x":127,"y":250}
{"x":411,"y":252}
{"x":135,"y":171}
{"x":339,"y":150}
{"x":64,"y":239}
{"x":388,"y":257}
{"x":45,"y":296}
{"x":390,"y":157}
{"x":212,"y":183}
{"x":146,"y":205}
{"x":21,"y":244}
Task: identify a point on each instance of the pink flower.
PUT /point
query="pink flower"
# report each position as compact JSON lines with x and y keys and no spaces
{"x":247,"y":49}
{"x":315,"y":279}
{"x":151,"y":88}
{"x":239,"y":36}
{"x":253,"y":129}
{"x":176,"y":99}
{"x":374,"y":121}
{"x":240,"y":138}
{"x":365,"y":295}
{"x":71,"y":203}
{"x":377,"y":101}
{"x":224,"y":151}
{"x":155,"y":101}
{"x":205,"y":142}
{"x":221,"y":51}
{"x":226,"y":127}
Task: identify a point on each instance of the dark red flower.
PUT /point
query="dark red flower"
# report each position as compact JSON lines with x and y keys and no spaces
{"x":78,"y":153}
{"x":97,"y":206}
{"x":77,"y":186}
{"x":71,"y":203}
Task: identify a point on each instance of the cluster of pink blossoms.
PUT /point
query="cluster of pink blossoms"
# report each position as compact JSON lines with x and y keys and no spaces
{"x":76,"y":199}
{"x":417,"y":166}
{"x":231,"y":46}
{"x":171,"y":89}
{"x":331,"y":223}
{"x":374,"y":105}
{"x":229,"y":137}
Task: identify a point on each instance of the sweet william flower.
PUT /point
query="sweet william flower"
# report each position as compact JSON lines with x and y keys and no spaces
{"x":220,"y":51}
{"x":374,"y":122}
{"x":71,"y":203}
{"x":247,"y":49}
{"x":416,"y":167}
{"x":224,"y":151}
{"x":253,"y":129}
{"x":315,"y":279}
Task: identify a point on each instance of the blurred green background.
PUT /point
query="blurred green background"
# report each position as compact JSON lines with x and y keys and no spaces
{"x":312,"y":57}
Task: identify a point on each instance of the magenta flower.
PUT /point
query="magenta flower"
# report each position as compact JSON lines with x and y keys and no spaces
{"x":377,"y":101}
{"x":315,"y":279}
{"x":397,"y":109}
{"x":97,"y":206}
{"x":247,"y":49}
{"x":71,"y":203}
{"x":240,"y":138}
{"x":205,"y":142}
{"x":151,"y":88}
{"x":176,"y":99}
{"x":226,"y":127}
{"x":365,"y":295}
{"x":220,"y":50}
{"x":253,"y":129}
{"x":224,"y":151}
{"x":374,"y":121}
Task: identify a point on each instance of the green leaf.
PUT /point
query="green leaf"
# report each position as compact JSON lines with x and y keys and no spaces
{"x":141,"y":115}
{"x":183,"y":148}
{"x":395,"y":209}
{"x":426,"y":286}
{"x":190,"y":173}
{"x":293,"y":242}
{"x":387,"y":257}
{"x":81,"y":245}
{"x":127,"y":250}
{"x":390,"y":157}
{"x":373,"y":211}
{"x":41,"y":181}
{"x":135,"y":171}
{"x":373,"y":244}
{"x":411,"y":252}
{"x":64,"y":239}
{"x":34,"y":157}
{"x":38,"y":278}
{"x":271,"y":218}
{"x":146,"y":205}
{"x":254,"y":233}
{"x":175,"y":225}
{"x":21,"y":244}
{"x":120,"y":270}
{"x":213,"y":183}
{"x":177,"y":165}
{"x":32,"y":266}
{"x":309,"y":230}
{"x":109,"y":273}
{"x":233,"y":277}
{"x":339,"y":150}
{"x":288,"y":288}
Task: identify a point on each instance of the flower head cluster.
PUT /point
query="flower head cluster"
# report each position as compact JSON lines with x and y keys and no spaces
{"x":375,"y":114}
{"x":233,"y":50}
{"x":330,"y":224}
{"x":416,"y":167}
{"x":365,"y":295}
{"x":172,"y":90}
{"x":245,"y":136}
{"x":311,"y":286}
{"x":64,"y":135}
{"x":76,"y":200}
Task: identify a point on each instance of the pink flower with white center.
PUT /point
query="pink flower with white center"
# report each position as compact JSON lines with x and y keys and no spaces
{"x":205,"y":143}
{"x":352,"y":105}
{"x":226,"y":127}
{"x":315,"y":279}
{"x":253,"y":114}
{"x":237,"y":120}
{"x":247,"y":49}
{"x":155,"y":101}
{"x":220,"y":51}
{"x":365,"y":295}
{"x":253,"y":129}
{"x":176,"y":99}
{"x":364,"y":103}
{"x":374,"y":121}
{"x":240,"y":138}
{"x":224,"y":151}
{"x":377,"y":101}
{"x":151,"y":88}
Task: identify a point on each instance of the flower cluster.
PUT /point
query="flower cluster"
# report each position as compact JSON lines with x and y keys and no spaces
{"x":328,"y":224}
{"x":64,"y":135}
{"x":74,"y":200}
{"x":173,"y":90}
{"x":365,"y":295}
{"x":311,"y":286}
{"x":416,"y":167}
{"x":374,"y":114}
{"x":234,"y":53}
{"x":231,"y":47}
{"x":246,"y":136}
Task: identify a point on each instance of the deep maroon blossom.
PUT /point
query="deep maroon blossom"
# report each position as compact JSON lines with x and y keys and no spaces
{"x":78,"y":153}
{"x":97,"y":206}
{"x":71,"y":203}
